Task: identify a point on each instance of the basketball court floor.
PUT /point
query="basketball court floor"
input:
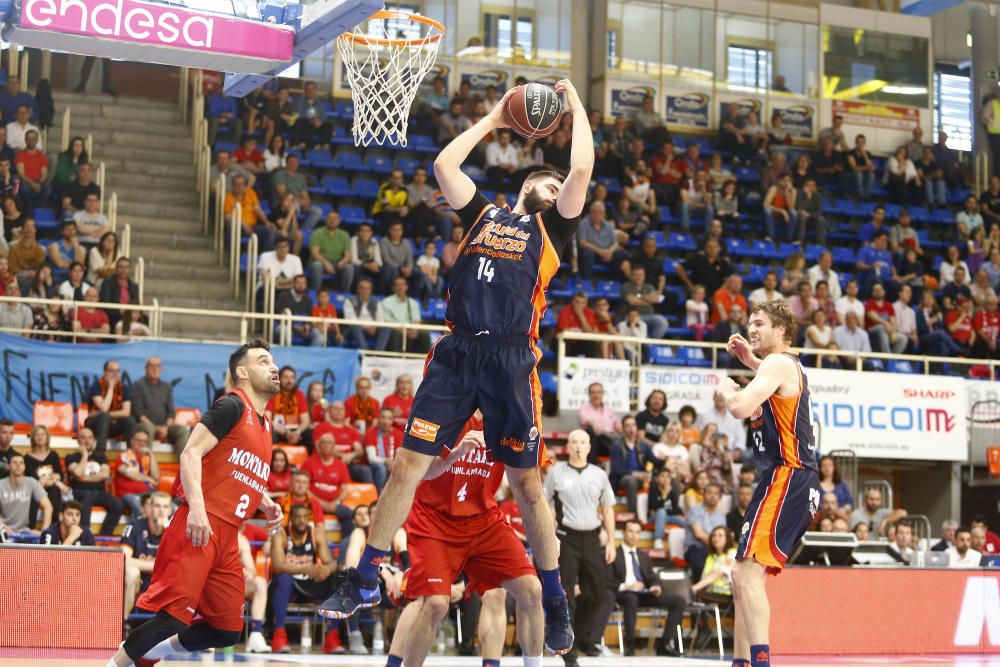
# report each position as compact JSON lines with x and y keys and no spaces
{"x":74,"y":659}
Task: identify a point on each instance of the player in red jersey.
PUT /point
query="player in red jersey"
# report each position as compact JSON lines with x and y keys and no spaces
{"x":456,"y":526}
{"x":197,"y":590}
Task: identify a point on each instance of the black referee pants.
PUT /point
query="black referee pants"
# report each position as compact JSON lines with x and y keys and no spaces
{"x":581,"y":561}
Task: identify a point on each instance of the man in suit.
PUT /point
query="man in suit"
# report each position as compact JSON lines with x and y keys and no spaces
{"x":632,"y":583}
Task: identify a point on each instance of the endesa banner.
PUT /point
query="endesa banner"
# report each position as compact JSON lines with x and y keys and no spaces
{"x":578,"y":373}
{"x":881,"y":611}
{"x":683,"y":386}
{"x":891,"y":416}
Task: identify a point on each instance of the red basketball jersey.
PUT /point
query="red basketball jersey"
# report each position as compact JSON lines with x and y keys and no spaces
{"x":234,"y":474}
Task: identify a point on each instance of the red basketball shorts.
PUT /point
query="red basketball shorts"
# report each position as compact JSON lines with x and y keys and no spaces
{"x":195,"y":584}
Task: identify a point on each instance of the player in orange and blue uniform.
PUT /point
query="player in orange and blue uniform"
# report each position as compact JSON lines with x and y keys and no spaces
{"x":488,"y":361}
{"x":779,"y":406}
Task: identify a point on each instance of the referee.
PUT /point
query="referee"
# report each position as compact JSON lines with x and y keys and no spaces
{"x":582,"y":497}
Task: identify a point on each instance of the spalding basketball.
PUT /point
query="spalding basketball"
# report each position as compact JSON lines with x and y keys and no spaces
{"x":533,"y":110}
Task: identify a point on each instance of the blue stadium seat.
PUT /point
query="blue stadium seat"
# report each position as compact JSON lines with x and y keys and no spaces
{"x":661,"y":241}
{"x":407,"y":165}
{"x":670,"y":266}
{"x":348,"y":160}
{"x":901,"y":366}
{"x":558,"y":290}
{"x":682,"y":242}
{"x":343,"y":111}
{"x":813,"y":252}
{"x":352,"y":215}
{"x":663,"y":355}
{"x":45,"y":220}
{"x":421,"y":143}
{"x":320,"y":159}
{"x":548,"y":320}
{"x":338,"y":299}
{"x":842,"y":255}
{"x":336,"y":186}
{"x":695,"y":356}
{"x":613,"y":185}
{"x":739,"y":247}
{"x":342,"y":136}
{"x":378,"y":164}
{"x":549,"y":382}
{"x":745,"y":174}
{"x":366,"y":188}
{"x":609,"y":289}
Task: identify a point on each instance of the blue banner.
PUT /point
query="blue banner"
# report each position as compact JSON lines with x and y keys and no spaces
{"x":798,"y":120}
{"x":689,"y":110}
{"x":39,"y":371}
{"x":627,"y":99}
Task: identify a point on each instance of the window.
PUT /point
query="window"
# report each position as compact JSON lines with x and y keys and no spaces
{"x":953,"y":108}
{"x":876,"y":67}
{"x":748,"y":66}
{"x":499,"y":30}
{"x":398,"y":28}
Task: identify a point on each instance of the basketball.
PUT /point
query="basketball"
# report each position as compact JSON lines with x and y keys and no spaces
{"x":533,"y":110}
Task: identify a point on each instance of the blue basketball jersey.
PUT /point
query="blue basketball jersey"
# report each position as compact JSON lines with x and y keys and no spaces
{"x":505,"y":263}
{"x":782,"y":429}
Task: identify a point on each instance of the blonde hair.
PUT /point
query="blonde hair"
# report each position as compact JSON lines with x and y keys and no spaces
{"x":781,"y":315}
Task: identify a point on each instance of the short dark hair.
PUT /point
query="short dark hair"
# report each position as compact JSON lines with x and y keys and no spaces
{"x":281,"y":238}
{"x":285,"y":368}
{"x":880,"y":233}
{"x":687,"y":410}
{"x":71,"y":505}
{"x":962,"y":529}
{"x":240,"y":353}
{"x":6,"y":422}
{"x":748,"y":467}
{"x":298,"y":506}
{"x":545,"y":173}
{"x":627,"y":522}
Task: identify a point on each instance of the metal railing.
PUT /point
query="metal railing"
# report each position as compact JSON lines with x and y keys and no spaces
{"x":126,"y":241}
{"x":182,"y":95}
{"x":219,"y":219}
{"x":140,"y":277}
{"x":981,"y":172}
{"x":252,"y":272}
{"x":235,"y":239}
{"x":113,"y":211}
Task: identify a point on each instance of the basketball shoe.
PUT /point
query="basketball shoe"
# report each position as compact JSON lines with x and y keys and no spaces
{"x":558,"y":628}
{"x":350,"y":595}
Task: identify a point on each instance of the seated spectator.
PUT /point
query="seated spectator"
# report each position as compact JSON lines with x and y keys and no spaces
{"x":850,"y":302}
{"x":120,"y":289}
{"x":880,"y":322}
{"x":67,"y":249}
{"x":279,"y":482}
{"x":696,"y":198}
{"x":969,"y":218}
{"x":14,"y":97}
{"x":137,"y":473}
{"x":363,"y":307}
{"x":302,"y":568}
{"x":18,"y":494}
{"x":224,"y":166}
{"x":875,"y":265}
{"x":629,"y":459}
{"x":828,"y":163}
{"x":43,"y":464}
{"x":280,"y":264}
{"x":276,"y":154}
{"x":732,"y":135}
{"x":631,"y":582}
{"x":849,"y":337}
{"x":823,"y":270}
{"x":692,"y":166}
{"x":400,"y":308}
{"x":600,"y":422}
{"x":222,"y":112}
{"x":401,"y":400}
{"x":362,"y":408}
{"x":248,"y":155}
{"x":835,"y":133}
{"x":771,"y":174}
{"x":252,"y":216}
{"x":141,"y":543}
{"x":450,"y":251}
{"x":809,"y":211}
{"x":300,"y":494}
{"x":347,"y":440}
{"x":89,"y":319}
{"x":876,"y":516}
{"x":329,"y":474}
{"x":68,"y":532}
{"x":10,"y":182}
{"x":976,"y":248}
{"x":901,"y":178}
{"x":778,"y":139}
{"x":452,"y":123}
{"x":766,"y":292}
{"x":947,"y":541}
{"x":289,"y":413}
{"x":652,"y":422}
{"x":989,"y":203}
{"x":6,"y":448}
{"x":960,"y":324}
{"x":803,"y":305}
{"x":291,"y":181}
{"x":727,"y":296}
{"x":741,"y":501}
{"x":33,"y":170}
{"x":726,"y":203}
{"x":596,"y":241}
{"x":632,"y":325}
{"x":14,"y":315}
{"x":903,"y":236}
{"x":26,"y":256}
{"x":637,"y":292}
{"x":830,"y":481}
{"x":19,"y":127}
{"x":990,"y":541}
{"x":802,"y":171}
{"x":860,"y":171}
{"x":932,"y":175}
{"x":779,"y":204}
{"x":987,"y":327}
{"x":957,"y":287}
{"x":671,"y":451}
{"x":716,"y":582}
{"x":299,"y":303}
{"x":428,"y":275}
{"x":110,"y":405}
{"x":650,"y":124}
{"x":642,"y":196}
{"x":698,"y":312}
{"x":906,"y":318}
{"x":718,"y":176}
{"x":14,"y":218}
{"x":397,"y":257}
{"x":915,"y":146}
{"x":649,"y":258}
{"x":153,"y":407}
{"x":578,"y":316}
{"x":951,"y":263}
{"x":43,"y":286}
{"x":695,"y":493}
{"x":702,"y":519}
{"x":712,"y":456}
{"x":962,"y":555}
{"x":89,"y":475}
{"x":285,"y":218}
{"x":330,"y":254}
{"x":90,"y":222}
{"x":735,"y":323}
{"x":74,"y":288}
{"x":381,"y":444}
{"x":664,"y":506}
{"x":501,"y":159}
{"x":612,"y":349}
{"x":933,"y":335}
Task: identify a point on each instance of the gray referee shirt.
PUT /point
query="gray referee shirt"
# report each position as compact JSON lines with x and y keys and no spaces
{"x":581,"y":492}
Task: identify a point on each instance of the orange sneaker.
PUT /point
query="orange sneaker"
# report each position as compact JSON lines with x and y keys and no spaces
{"x":332,"y":642}
{"x":279,"y":641}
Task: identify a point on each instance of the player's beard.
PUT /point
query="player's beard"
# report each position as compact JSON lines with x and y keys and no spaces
{"x":265,"y":386}
{"x":534,"y":203}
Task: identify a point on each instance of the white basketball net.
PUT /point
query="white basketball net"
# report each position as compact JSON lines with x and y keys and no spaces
{"x":385,"y":71}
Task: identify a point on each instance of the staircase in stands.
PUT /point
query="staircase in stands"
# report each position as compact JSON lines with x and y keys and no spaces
{"x":148,"y":153}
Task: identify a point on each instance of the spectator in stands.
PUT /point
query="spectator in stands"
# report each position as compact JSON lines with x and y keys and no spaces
{"x":706,"y":267}
{"x":141,"y":542}
{"x":755,"y":133}
{"x":68,"y":532}
{"x":252,"y":216}
{"x":90,"y":222}
{"x":18,"y":494}
{"x":828,"y":512}
{"x":823,"y":271}
{"x":299,"y":303}
{"x":649,"y":124}
{"x":989,"y":203}
{"x":695,"y":493}
{"x":330,"y":254}
{"x":803,"y":305}
{"x":43,"y":464}
{"x":381,"y":444}
{"x":962,"y":555}
{"x":956,"y":287}
{"x":906,"y":317}
{"x":452,"y":123}
{"x":850,"y":302}
{"x":905,"y":542}
{"x":637,"y":292}
{"x":137,"y":474}
{"x":778,"y":139}
{"x":300,"y":494}
{"x":771,"y":174}
{"x":947,"y":541}
{"x":860,"y":170}
{"x":110,"y":406}
{"x":664,"y":505}
{"x":26,"y":256}
{"x":397,"y":257}
{"x":932,"y":175}
{"x":851,"y":338}
{"x":901,"y":178}
{"x":276,"y":154}
{"x":13,"y":97}
{"x":987,"y":326}
{"x":427,"y":219}
{"x":224,"y":166}
{"x":727,"y":203}
{"x":74,"y":194}
{"x":716,"y":583}
{"x":876,"y":516}
{"x":915,"y":146}
{"x":153,"y":407}
{"x":279,"y":482}
{"x":289,"y":413}
{"x":948,"y":159}
{"x":43,"y":286}
{"x":970,"y":219}
{"x":347,"y":441}
{"x":809,"y":211}
{"x":631,"y":459}
{"x":766,"y":292}
{"x":648,"y":257}
{"x":741,"y":501}
{"x":880,"y":322}
{"x":20,"y":127}
{"x":933,"y":336}
{"x":903,"y":236}
{"x":362,"y":408}
{"x":631,"y":583}
{"x":597,"y":241}
{"x":578,"y":316}
{"x":698,"y":312}
{"x":248,"y":156}
{"x":33,"y":170}
{"x":6,"y":448}
{"x":89,"y":476}
{"x":652,"y":422}
{"x":992,"y":540}
{"x":329,"y":474}
{"x":702,"y":519}
{"x":501,"y":159}
{"x":222,"y":111}
{"x":977,"y":246}
{"x":735,"y":323}
{"x":874,"y":263}
{"x":401,"y":400}
{"x":830,"y":481}
{"x":828,"y":163}
{"x":950,"y":266}
{"x":67,"y":249}
{"x":732,"y":135}
{"x":666,"y":171}
{"x":696,"y":198}
{"x":14,"y":217}
{"x":119,"y":289}
{"x":400,"y":308}
{"x":633,"y":326}
{"x":794,"y":272}
{"x":291,"y":180}
{"x":835,"y":133}
{"x":89,"y":319}
{"x":14,"y":315}
{"x":602,"y":424}
{"x":960,"y":323}
{"x":733,"y":428}
{"x":430,"y":284}
{"x":10,"y":182}
{"x":727,"y":296}
{"x":978,"y":543}
{"x":311,"y":128}
{"x":302,"y":567}
{"x":285,"y":218}
{"x":779,"y":204}
{"x":363,"y":307}
{"x":280,"y":264}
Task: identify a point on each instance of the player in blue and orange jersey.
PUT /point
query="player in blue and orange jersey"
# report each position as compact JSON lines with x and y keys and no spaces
{"x":779,"y":406}
{"x":488,"y":361}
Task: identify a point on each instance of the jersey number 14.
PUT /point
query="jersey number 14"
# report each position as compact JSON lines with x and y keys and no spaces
{"x":485,"y":269}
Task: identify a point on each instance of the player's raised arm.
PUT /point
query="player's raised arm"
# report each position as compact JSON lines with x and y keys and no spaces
{"x":573,"y":194}
{"x":456,"y":187}
{"x":773,"y":371}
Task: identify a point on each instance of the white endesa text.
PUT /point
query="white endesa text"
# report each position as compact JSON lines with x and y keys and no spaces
{"x":111,"y":19}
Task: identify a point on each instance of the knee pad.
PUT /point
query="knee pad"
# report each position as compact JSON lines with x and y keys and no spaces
{"x":162,"y":626}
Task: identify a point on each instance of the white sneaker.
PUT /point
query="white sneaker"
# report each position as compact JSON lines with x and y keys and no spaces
{"x":658,"y":544}
{"x":257,"y":644}
{"x":356,"y":643}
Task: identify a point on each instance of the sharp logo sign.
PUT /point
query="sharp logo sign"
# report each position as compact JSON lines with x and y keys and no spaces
{"x":980,"y":607}
{"x":884,"y":417}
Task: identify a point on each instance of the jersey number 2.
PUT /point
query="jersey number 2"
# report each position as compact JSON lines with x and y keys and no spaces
{"x":485,"y":269}
{"x":241,"y":509}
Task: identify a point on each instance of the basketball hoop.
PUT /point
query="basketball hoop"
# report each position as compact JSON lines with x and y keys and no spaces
{"x":385,"y":72}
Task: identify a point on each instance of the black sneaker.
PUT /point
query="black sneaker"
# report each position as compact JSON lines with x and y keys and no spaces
{"x":558,"y":628}
{"x":350,"y":594}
